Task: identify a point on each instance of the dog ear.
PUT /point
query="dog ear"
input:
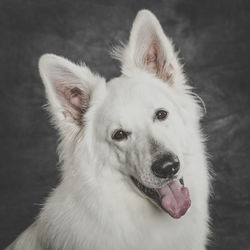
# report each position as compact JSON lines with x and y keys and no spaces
{"x":149,"y":49}
{"x":68,"y":88}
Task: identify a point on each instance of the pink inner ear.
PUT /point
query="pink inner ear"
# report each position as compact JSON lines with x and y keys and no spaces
{"x":75,"y":97}
{"x":156,"y":62}
{"x":74,"y":101}
{"x":151,"y":58}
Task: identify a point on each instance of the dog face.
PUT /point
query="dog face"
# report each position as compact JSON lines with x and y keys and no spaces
{"x":136,"y":124}
{"x":139,"y":121}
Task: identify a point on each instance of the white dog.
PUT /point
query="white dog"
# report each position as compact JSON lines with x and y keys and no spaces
{"x":134,"y":171}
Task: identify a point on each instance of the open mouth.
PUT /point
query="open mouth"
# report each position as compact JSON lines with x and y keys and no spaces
{"x":173,"y":197}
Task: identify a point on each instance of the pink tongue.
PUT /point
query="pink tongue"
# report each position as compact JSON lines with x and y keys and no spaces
{"x":175,"y":199}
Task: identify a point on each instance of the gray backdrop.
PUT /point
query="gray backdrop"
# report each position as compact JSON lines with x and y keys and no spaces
{"x":213,"y":38}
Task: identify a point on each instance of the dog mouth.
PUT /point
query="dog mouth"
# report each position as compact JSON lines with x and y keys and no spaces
{"x":172,"y":198}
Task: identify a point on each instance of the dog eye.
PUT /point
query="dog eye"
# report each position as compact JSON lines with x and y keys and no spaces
{"x":119,"y":135}
{"x":161,"y":115}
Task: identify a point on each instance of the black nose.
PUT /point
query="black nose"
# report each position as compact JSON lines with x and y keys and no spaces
{"x":166,"y":166}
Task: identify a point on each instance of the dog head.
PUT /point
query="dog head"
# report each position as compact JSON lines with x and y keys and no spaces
{"x":137,"y":124}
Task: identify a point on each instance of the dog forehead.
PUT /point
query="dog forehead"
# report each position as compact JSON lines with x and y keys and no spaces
{"x":130,"y":103}
{"x":129,"y":100}
{"x":136,"y":90}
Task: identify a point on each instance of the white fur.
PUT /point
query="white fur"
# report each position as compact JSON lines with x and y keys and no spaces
{"x":95,"y":205}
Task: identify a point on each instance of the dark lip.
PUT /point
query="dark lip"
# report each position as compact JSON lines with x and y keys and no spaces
{"x":151,"y":193}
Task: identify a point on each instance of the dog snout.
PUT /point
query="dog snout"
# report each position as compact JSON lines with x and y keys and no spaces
{"x":166,"y":166}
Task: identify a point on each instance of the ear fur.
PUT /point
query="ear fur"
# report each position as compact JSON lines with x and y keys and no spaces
{"x":68,"y":88}
{"x":149,"y":49}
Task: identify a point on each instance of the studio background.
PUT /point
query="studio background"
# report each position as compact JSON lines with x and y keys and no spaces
{"x":213,"y":39}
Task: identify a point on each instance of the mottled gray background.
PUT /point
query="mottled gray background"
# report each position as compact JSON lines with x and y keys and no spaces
{"x":213,"y":38}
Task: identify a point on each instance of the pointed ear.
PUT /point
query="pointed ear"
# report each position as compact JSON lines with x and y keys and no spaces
{"x":149,"y":49}
{"x":68,"y":88}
